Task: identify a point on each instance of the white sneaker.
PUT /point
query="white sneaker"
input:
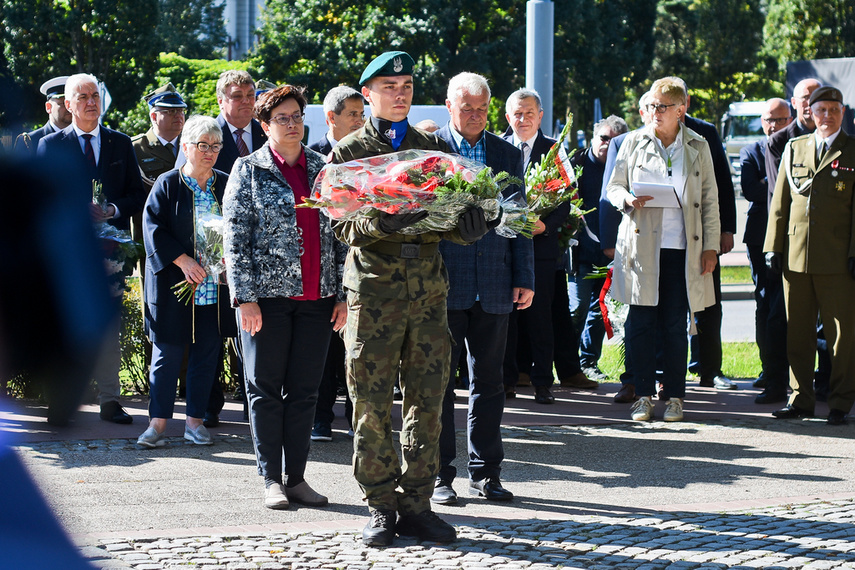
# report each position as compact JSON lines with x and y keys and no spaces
{"x":673,"y":410}
{"x":642,"y":409}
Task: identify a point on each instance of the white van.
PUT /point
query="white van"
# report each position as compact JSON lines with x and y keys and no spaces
{"x":316,"y":126}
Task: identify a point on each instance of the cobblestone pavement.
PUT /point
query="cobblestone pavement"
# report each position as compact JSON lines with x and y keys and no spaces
{"x":816,"y":535}
{"x":749,"y":493}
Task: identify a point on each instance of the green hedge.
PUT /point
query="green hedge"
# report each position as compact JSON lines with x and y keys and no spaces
{"x":195,"y":79}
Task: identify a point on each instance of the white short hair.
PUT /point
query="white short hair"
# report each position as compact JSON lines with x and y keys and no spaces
{"x":75,"y":81}
{"x":467,"y":82}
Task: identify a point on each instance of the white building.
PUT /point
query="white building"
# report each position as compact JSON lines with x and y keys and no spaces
{"x":243,"y":18}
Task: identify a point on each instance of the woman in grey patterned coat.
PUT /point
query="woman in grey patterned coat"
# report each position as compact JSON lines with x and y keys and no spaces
{"x":284,"y":268}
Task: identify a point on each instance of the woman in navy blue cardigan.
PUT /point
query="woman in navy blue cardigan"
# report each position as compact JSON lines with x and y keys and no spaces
{"x":177,"y":200}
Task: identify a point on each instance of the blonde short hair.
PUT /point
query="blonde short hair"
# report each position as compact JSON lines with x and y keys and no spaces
{"x":673,"y":88}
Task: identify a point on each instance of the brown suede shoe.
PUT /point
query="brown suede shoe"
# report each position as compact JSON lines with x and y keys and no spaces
{"x":579,"y":381}
{"x":626,"y":394}
{"x":524,"y":379}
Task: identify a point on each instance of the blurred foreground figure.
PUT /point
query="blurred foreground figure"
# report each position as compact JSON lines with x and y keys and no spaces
{"x":54,"y":309}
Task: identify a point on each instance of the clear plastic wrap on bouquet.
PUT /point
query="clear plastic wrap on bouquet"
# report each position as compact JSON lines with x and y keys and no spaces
{"x":210,"y":251}
{"x":442,"y":184}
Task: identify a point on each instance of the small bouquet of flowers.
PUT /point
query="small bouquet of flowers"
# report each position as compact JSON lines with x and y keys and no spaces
{"x":210,"y":253}
{"x":412,"y":180}
{"x":120,"y":255}
{"x":98,"y":197}
{"x":552,"y":180}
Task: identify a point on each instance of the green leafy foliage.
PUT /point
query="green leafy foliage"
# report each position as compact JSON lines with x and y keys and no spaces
{"x":118,"y":41}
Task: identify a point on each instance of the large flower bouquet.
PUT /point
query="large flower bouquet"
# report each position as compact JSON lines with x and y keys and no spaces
{"x":444,"y":185}
{"x":553,"y":180}
{"x":210,"y":253}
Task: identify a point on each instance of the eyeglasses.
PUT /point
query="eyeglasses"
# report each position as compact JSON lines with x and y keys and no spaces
{"x":775,"y":120}
{"x":205,"y":147}
{"x":168,"y":111}
{"x":285,"y":120}
{"x":658,"y":109}
{"x":605,"y":138}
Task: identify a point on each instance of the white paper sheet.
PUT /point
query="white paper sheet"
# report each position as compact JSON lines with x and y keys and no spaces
{"x":664,"y":195}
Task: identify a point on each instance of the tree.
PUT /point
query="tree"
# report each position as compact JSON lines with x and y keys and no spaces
{"x":114,"y":40}
{"x":797,"y":30}
{"x":323,"y":44}
{"x":601,"y":48}
{"x":192,"y":28}
{"x":714,"y":59}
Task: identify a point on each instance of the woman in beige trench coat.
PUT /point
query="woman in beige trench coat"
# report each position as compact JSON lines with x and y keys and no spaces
{"x":664,"y":256}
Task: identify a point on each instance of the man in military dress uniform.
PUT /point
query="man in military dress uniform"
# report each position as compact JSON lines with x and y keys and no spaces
{"x":811,"y":237}
{"x":157,"y":148}
{"x":396,"y":295}
{"x":58,"y":116}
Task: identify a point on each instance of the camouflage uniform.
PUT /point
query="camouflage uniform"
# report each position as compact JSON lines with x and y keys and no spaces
{"x":396,"y":319}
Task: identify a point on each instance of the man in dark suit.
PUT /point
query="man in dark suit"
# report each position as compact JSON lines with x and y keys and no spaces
{"x":344,"y":109}
{"x":58,"y":116}
{"x":533,"y":342}
{"x":106,"y":156}
{"x":242,"y":134}
{"x":811,"y":238}
{"x":706,"y":345}
{"x":486,"y":280}
{"x":770,"y":320}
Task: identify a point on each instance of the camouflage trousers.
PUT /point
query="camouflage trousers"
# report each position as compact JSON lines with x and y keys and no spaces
{"x":382,"y":337}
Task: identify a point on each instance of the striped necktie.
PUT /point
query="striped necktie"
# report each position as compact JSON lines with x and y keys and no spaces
{"x":241,"y":144}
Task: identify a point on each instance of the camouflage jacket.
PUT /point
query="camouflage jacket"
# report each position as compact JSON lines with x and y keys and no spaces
{"x":374,"y":273}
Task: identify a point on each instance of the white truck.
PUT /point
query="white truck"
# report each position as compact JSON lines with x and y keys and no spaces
{"x":740,"y":125}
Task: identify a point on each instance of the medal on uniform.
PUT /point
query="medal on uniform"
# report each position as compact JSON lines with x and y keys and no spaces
{"x":841,"y":186}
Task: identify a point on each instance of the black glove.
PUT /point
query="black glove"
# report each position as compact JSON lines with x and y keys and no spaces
{"x":774,"y":262}
{"x":472,"y":224}
{"x":852,"y":267}
{"x":391,"y":223}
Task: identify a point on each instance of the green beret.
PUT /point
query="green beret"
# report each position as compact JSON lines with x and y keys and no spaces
{"x":827,"y":93}
{"x":388,"y":64}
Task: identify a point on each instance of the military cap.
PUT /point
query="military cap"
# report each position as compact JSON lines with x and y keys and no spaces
{"x":54,"y":87}
{"x":263,"y":86}
{"x":388,"y":64}
{"x":165,"y":96}
{"x":827,"y":93}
